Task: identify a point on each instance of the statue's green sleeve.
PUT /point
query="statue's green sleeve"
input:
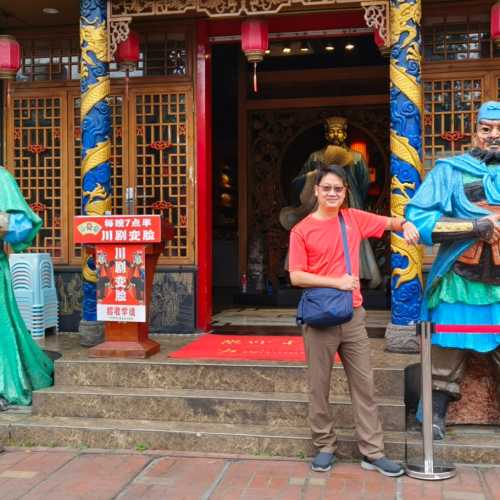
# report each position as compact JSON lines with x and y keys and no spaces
{"x":12,"y":202}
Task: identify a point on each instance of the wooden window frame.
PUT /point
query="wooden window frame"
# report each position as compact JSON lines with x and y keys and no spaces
{"x":67,"y":92}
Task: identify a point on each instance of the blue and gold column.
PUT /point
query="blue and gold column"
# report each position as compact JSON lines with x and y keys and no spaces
{"x":95,"y":130}
{"x":406,"y":103}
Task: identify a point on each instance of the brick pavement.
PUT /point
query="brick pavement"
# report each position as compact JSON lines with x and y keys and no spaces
{"x":56,"y":474}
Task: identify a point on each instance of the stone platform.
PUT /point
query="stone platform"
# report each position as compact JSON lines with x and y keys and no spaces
{"x":257,"y":408}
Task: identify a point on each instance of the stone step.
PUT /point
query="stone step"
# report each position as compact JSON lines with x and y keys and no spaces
{"x":461,"y":445}
{"x":206,"y":375}
{"x":186,"y":405}
{"x":179,"y":436}
{"x":23,"y":429}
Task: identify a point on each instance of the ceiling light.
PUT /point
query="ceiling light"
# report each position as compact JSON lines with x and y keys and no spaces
{"x":304,"y":47}
{"x":50,"y":10}
{"x":350,"y":46}
{"x":329,"y":47}
{"x":286,"y":49}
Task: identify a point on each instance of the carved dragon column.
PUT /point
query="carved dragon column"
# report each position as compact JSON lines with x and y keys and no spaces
{"x":95,"y":143}
{"x":406,"y":101}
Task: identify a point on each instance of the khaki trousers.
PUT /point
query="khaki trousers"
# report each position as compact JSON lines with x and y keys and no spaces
{"x":351,"y":341}
{"x":448,"y":369}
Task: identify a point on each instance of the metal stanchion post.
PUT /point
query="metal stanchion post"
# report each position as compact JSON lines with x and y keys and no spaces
{"x":428,"y":470}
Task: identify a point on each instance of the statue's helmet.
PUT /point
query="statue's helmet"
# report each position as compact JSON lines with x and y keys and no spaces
{"x":336,"y":122}
{"x":489,"y":111}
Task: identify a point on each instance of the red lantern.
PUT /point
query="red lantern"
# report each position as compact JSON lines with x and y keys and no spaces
{"x":380,"y":43}
{"x":254,"y":43}
{"x":495,"y":22}
{"x":10,"y":57}
{"x":128,"y":52}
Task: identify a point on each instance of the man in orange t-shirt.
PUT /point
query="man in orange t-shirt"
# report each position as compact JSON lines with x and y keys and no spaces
{"x":316,"y":259}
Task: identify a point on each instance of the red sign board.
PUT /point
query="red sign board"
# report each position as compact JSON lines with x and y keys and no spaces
{"x":121,"y":274}
{"x":121,"y":229}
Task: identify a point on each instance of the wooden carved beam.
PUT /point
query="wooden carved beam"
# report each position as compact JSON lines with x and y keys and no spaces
{"x":212,"y":8}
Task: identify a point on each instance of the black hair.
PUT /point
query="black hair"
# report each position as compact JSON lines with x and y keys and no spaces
{"x":323,"y":169}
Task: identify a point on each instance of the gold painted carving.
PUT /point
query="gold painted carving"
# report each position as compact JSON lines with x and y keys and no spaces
{"x":401,"y":147}
{"x":453,"y":227}
{"x":399,"y":200}
{"x":400,"y":22}
{"x":99,"y":201}
{"x":407,"y":84}
{"x":93,"y":39}
{"x":97,"y":155}
{"x":414,"y":254}
{"x":95,"y":93}
{"x":88,"y":274}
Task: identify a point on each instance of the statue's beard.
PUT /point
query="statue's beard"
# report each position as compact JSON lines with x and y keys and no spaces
{"x":486,"y":156}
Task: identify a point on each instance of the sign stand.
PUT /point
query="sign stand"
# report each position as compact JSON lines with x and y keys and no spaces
{"x":126,"y":251}
{"x":428,"y":470}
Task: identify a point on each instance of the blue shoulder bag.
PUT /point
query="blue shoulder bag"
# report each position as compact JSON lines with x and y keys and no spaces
{"x":324,"y":307}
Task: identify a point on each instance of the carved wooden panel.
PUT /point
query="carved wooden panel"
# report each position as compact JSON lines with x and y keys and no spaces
{"x":161,"y":143}
{"x":37,"y":135}
{"x":212,"y":8}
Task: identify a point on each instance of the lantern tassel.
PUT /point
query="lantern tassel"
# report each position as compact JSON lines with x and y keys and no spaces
{"x":255,"y":77}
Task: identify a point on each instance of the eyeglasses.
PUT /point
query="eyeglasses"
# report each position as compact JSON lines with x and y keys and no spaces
{"x":325,"y":189}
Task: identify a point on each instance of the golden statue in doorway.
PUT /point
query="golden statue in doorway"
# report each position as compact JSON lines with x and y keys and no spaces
{"x":337,"y":152}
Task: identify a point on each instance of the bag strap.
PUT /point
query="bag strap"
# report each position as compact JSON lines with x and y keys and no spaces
{"x":344,"y":242}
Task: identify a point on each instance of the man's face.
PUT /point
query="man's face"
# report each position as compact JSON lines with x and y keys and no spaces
{"x":336,"y":135}
{"x":330,"y":192}
{"x":488,"y":135}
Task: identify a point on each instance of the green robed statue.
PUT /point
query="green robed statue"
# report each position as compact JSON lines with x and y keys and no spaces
{"x":24,"y":367}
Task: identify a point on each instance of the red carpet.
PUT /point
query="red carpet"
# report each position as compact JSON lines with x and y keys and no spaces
{"x":244,"y":347}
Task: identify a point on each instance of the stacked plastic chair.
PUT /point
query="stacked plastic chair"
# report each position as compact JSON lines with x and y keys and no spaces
{"x":35,"y":291}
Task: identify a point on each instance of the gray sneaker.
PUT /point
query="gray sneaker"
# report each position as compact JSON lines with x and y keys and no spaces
{"x":384,"y":466}
{"x":323,"y":462}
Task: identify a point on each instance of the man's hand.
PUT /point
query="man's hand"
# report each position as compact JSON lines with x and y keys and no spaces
{"x":347,"y":282}
{"x":410,"y":233}
{"x":489,"y":228}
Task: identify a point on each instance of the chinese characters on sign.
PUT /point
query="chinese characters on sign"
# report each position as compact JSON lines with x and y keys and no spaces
{"x":121,"y":273}
{"x":118,"y":229}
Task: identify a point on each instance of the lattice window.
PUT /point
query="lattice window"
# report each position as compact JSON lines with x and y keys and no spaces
{"x":469,"y":39}
{"x":47,"y":59}
{"x":37,"y":159}
{"x":450,"y":109}
{"x":117,"y":160}
{"x":163,"y":176}
{"x":162,"y":54}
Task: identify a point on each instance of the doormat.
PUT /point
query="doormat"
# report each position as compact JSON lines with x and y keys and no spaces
{"x":244,"y":348}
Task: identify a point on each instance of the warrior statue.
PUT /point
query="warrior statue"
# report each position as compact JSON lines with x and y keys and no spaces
{"x":24,"y":367}
{"x":335,"y":152}
{"x":458,"y":206}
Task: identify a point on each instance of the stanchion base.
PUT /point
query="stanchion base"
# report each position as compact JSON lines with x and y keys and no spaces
{"x":439,"y":472}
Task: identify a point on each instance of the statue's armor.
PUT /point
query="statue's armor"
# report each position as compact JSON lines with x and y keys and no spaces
{"x":481,"y":261}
